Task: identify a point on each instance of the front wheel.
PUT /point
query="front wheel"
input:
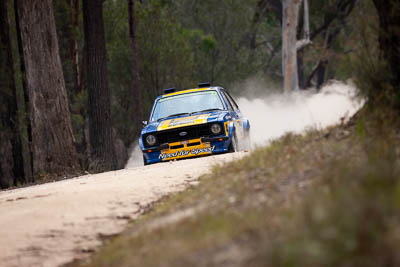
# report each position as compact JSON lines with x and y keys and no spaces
{"x":246,"y":141}
{"x":233,"y":147}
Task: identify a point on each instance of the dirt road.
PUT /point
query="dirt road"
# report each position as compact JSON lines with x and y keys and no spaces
{"x":52,"y":224}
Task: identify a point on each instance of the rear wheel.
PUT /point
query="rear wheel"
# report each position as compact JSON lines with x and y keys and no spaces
{"x":145,"y":161}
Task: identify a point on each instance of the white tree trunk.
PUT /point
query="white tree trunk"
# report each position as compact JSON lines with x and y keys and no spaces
{"x":306,"y":21}
{"x":306,"y":41}
{"x":289,"y":44}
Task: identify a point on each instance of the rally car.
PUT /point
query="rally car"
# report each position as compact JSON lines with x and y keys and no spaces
{"x":192,"y":123}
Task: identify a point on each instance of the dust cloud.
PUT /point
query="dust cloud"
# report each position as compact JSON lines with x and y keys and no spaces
{"x":136,"y":158}
{"x":277,"y":114}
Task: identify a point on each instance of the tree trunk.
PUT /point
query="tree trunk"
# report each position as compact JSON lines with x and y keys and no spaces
{"x":389,"y":35}
{"x":321,"y":74}
{"x":100,"y":125}
{"x":263,"y":7}
{"x":83,"y":71}
{"x":341,"y":12}
{"x":300,"y":53}
{"x":289,"y":51}
{"x":6,"y":161}
{"x":74,"y":52}
{"x":11,"y":161}
{"x":137,"y":107}
{"x":29,"y":170}
{"x":53,"y":147}
{"x":300,"y":69}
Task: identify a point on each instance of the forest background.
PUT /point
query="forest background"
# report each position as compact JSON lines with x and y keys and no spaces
{"x":150,"y":45}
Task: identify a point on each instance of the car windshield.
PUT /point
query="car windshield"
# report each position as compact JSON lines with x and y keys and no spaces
{"x":187,"y":104}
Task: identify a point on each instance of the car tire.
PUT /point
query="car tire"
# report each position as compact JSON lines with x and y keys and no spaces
{"x":145,"y":161}
{"x":247,"y":141}
{"x":233,"y":147}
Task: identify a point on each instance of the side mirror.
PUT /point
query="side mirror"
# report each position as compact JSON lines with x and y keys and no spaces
{"x":144,"y":123}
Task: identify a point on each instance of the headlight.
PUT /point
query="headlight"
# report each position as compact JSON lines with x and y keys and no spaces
{"x":151,"y":140}
{"x":216,"y":128}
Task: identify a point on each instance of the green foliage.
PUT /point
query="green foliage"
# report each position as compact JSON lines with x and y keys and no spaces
{"x":168,"y":56}
{"x":182,"y":43}
{"x":165,"y":58}
{"x":65,"y":32}
{"x":373,"y":78}
{"x":360,"y":127}
{"x":208,"y":43}
{"x":219,"y":39}
{"x":350,"y":219}
{"x":371,"y":73}
{"x":78,"y":115}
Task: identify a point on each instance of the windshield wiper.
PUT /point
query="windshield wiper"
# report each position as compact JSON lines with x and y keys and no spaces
{"x":205,"y":110}
{"x":174,"y":115}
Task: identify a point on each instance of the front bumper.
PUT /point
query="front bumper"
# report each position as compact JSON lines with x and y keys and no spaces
{"x":187,"y":149}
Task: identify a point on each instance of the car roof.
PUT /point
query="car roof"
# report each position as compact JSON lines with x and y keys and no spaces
{"x":190,"y":91}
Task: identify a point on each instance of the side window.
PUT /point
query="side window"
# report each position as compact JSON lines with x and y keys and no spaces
{"x":232,"y":101}
{"x":227,"y":100}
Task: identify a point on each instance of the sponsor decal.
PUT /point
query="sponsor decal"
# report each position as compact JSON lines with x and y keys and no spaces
{"x":186,"y":91}
{"x":181,"y":122}
{"x":186,"y":153}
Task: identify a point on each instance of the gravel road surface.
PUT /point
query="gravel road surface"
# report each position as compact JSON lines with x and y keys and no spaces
{"x":55,"y":223}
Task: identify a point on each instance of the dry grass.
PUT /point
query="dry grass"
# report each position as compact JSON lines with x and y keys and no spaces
{"x":329,"y":198}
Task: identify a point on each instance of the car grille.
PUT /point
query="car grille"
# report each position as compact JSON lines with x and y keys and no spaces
{"x":173,"y":135}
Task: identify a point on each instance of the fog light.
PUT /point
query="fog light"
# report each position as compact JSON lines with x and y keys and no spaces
{"x":216,"y":128}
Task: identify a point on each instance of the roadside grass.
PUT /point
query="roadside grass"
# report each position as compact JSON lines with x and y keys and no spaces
{"x":328,"y":198}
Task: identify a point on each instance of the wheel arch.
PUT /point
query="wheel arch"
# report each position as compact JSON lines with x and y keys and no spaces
{"x":246,"y":124}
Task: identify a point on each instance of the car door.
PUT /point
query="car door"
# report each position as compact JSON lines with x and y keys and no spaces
{"x":237,"y":117}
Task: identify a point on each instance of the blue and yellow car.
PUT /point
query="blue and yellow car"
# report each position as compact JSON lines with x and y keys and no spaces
{"x":192,"y":123}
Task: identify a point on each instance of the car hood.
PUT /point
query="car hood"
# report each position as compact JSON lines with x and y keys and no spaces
{"x":178,"y":122}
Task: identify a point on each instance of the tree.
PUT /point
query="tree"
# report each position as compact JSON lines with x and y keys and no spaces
{"x":328,"y":20}
{"x":74,"y":52}
{"x":136,"y":106}
{"x":53,"y":150}
{"x":67,"y":25}
{"x":290,"y":45}
{"x":389,"y":36}
{"x":337,"y":11}
{"x":100,"y":125}
{"x":26,"y":119}
{"x":262,"y":9}
{"x":11,"y":161}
